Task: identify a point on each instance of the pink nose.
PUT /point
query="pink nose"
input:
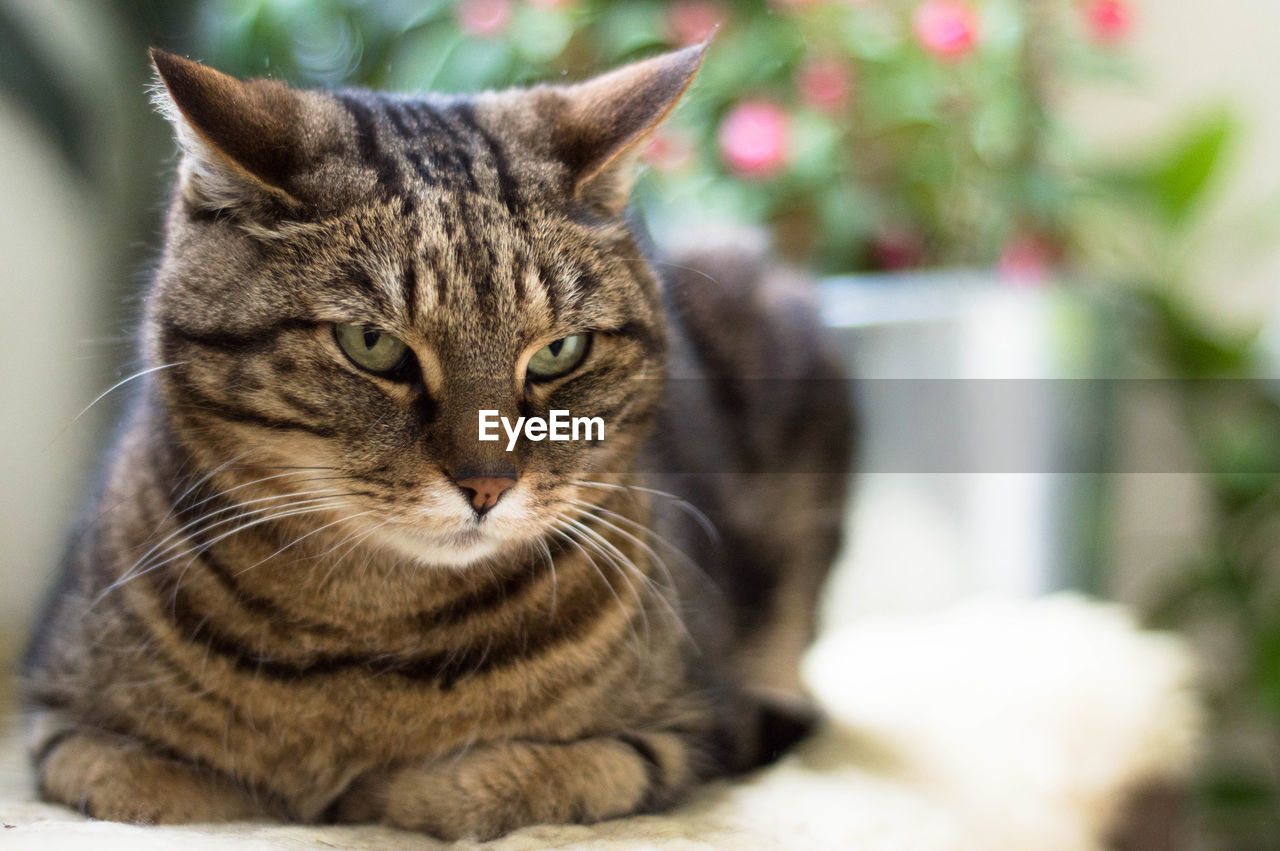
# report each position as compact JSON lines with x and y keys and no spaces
{"x":484,"y":492}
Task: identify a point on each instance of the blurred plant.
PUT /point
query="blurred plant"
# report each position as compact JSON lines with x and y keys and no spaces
{"x":1225,"y":595}
{"x":866,"y":135}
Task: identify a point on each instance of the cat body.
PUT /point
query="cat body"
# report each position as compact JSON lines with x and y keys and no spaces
{"x":308,"y":591}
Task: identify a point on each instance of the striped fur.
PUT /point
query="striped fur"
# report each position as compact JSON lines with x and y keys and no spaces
{"x":284,"y":606}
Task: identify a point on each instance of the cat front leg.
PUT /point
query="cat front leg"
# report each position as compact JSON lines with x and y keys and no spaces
{"x":492,"y":789}
{"x":117,"y":779}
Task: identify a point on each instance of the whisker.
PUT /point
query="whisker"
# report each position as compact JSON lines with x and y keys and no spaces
{"x":551,"y":564}
{"x":354,"y":541}
{"x":653,"y":262}
{"x":302,"y":538}
{"x":204,"y":547}
{"x":260,"y":481}
{"x":670,"y":598}
{"x":146,"y":563}
{"x":618,"y":560}
{"x":563,"y":532}
{"x":200,"y":481}
{"x":587,"y":510}
{"x":696,"y":513}
{"x":641,"y":528}
{"x":281,"y":467}
{"x":188,"y":526}
{"x":175,"y":503}
{"x":108,"y":392}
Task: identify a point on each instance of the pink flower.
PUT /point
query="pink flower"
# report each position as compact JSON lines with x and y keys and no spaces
{"x":691,"y":21}
{"x":946,"y":28}
{"x":893,"y":249}
{"x":668,"y":151}
{"x":1109,"y":20}
{"x":824,"y":84}
{"x":1027,"y":260}
{"x":550,"y":4}
{"x":484,"y":18}
{"x":753,"y":138}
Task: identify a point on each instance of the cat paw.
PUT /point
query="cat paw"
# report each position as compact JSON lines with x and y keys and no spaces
{"x":495,"y":789}
{"x":116,"y":780}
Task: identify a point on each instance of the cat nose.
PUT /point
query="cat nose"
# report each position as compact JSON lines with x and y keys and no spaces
{"x":484,"y":491}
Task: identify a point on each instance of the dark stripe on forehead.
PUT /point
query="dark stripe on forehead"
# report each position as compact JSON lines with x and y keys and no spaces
{"x":409,"y":266}
{"x":447,"y":221}
{"x":418,"y":135}
{"x":367,"y":141}
{"x":409,"y":287}
{"x":435,"y":263}
{"x":483,"y":270}
{"x":518,"y":266}
{"x":420,"y":167}
{"x":453,"y":153}
{"x":507,"y":189}
{"x":360,"y":279}
{"x":431,"y":120}
{"x":401,"y":119}
{"x":585,"y":285}
{"x":551,"y":284}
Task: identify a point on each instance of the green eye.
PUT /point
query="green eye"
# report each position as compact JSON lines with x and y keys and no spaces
{"x":558,"y":357}
{"x":370,"y":349}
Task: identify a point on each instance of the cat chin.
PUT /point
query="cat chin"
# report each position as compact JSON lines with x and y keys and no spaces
{"x":447,"y":551}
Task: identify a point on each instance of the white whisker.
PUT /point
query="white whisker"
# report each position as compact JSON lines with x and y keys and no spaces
{"x":108,"y":392}
{"x":159,"y":548}
{"x":563,"y":532}
{"x":667,"y":595}
{"x":142,"y":566}
{"x":618,"y":560}
{"x":696,"y":513}
{"x":302,"y":538}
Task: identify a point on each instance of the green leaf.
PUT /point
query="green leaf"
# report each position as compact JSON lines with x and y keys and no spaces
{"x":1178,"y":181}
{"x":1267,"y":667}
{"x":1194,"y":351}
{"x":815,"y":148}
{"x":1237,"y":788}
{"x":624,"y":29}
{"x":540,"y":35}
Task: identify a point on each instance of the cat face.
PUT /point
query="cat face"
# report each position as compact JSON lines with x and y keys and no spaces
{"x":350,"y":278}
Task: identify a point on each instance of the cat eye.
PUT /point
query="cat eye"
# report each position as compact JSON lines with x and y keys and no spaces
{"x":368,"y":349}
{"x":558,"y":357}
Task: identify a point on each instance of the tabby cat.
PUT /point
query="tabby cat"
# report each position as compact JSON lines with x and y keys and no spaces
{"x":308,"y":591}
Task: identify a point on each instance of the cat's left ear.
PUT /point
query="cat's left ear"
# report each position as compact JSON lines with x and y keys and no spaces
{"x":599,"y":124}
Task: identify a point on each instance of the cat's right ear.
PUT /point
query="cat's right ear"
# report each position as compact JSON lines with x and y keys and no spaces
{"x":241,"y":139}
